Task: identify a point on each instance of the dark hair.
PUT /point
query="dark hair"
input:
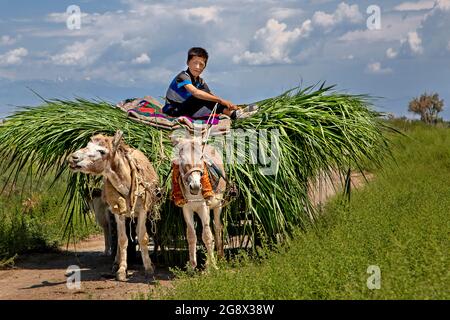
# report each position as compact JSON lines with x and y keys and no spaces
{"x":197,"y":52}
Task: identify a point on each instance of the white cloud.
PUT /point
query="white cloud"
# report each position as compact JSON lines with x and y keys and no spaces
{"x":275,"y":41}
{"x":79,"y":53}
{"x":394,"y":28}
{"x":114,"y":73}
{"x":228,"y":47}
{"x":415,"y":6}
{"x":414,"y":42}
{"x":448,"y":46}
{"x":142,"y":59}
{"x":391,"y":53}
{"x":431,"y":36}
{"x":443,"y":5}
{"x":7,"y":40}
{"x":13,"y":57}
{"x":123,"y":31}
{"x":140,"y":16}
{"x":201,"y":14}
{"x":191,"y":14}
{"x":285,"y":13}
{"x":61,"y":17}
{"x":343,"y":13}
{"x":323,"y":19}
{"x":376,"y":68}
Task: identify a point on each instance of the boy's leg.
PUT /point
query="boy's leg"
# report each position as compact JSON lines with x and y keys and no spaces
{"x":193,"y":104}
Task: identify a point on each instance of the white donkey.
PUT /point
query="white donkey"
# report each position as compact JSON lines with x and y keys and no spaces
{"x":191,"y":153}
{"x":130,"y":189}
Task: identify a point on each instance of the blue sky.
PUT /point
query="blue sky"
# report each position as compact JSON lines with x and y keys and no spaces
{"x":258,"y":48}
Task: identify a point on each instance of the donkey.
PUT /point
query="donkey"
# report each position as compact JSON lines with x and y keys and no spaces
{"x":100,"y":208}
{"x":190,"y":156}
{"x":130,"y":188}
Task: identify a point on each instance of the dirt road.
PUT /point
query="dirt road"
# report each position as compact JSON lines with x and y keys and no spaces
{"x":43,"y":276}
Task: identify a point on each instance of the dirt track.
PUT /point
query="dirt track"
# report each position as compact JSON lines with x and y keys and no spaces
{"x":43,"y":276}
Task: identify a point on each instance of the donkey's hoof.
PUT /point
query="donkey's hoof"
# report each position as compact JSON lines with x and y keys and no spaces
{"x":121,"y":276}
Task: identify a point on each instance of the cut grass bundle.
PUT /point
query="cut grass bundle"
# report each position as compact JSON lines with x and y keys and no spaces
{"x":319,"y":131}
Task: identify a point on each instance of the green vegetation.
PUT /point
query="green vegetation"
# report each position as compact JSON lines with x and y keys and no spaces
{"x":399,"y":222}
{"x":31,"y":218}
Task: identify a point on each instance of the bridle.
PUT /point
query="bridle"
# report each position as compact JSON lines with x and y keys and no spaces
{"x":184,"y":176}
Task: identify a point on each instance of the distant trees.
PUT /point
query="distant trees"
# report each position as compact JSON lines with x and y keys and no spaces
{"x":427,"y":106}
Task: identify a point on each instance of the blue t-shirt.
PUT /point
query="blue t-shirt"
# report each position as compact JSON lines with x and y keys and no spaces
{"x":177,"y":93}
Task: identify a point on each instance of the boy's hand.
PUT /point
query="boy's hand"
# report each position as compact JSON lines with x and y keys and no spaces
{"x":228,"y":104}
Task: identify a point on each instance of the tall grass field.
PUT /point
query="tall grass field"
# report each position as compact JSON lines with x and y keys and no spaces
{"x":399,"y":223}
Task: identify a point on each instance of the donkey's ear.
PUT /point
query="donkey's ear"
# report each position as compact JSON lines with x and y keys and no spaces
{"x":176,"y":138}
{"x":117,"y":138}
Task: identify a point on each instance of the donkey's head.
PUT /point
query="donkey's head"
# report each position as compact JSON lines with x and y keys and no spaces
{"x":189,"y":157}
{"x":94,"y":158}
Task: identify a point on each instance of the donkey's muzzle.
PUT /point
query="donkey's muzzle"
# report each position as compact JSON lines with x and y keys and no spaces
{"x":194,"y":189}
{"x":73,"y":161}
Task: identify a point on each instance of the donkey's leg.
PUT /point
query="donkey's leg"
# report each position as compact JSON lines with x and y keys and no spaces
{"x":143,"y":241}
{"x":218,"y":231}
{"x":108,"y":234}
{"x":115,"y":242}
{"x":121,"y":274}
{"x":191,"y":236}
{"x":116,"y":259}
{"x":106,"y":226}
{"x":207,"y":236}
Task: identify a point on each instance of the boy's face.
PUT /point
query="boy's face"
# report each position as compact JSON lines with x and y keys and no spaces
{"x":196,"y":65}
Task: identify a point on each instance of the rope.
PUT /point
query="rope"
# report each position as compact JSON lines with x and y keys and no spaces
{"x":208,"y":131}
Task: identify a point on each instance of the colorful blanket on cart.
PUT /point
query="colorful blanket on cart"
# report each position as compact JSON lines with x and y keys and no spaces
{"x":149,"y":110}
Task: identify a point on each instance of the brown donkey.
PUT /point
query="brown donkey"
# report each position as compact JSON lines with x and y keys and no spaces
{"x":130,"y":189}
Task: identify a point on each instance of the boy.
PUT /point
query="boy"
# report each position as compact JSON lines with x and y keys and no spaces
{"x":189,"y":95}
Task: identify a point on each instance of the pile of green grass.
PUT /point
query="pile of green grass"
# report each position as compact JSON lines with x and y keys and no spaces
{"x":321,"y":130}
{"x":398,"y":222}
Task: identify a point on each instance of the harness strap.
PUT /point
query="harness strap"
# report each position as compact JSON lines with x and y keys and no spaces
{"x":189,"y":172}
{"x":211,"y":164}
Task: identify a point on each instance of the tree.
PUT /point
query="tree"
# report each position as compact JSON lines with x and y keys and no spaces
{"x":427,"y":106}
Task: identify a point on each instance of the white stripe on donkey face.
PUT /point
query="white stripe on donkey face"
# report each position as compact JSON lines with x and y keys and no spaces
{"x":190,"y":160}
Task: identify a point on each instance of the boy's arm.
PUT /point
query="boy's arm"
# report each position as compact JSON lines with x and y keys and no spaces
{"x":207,"y":96}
